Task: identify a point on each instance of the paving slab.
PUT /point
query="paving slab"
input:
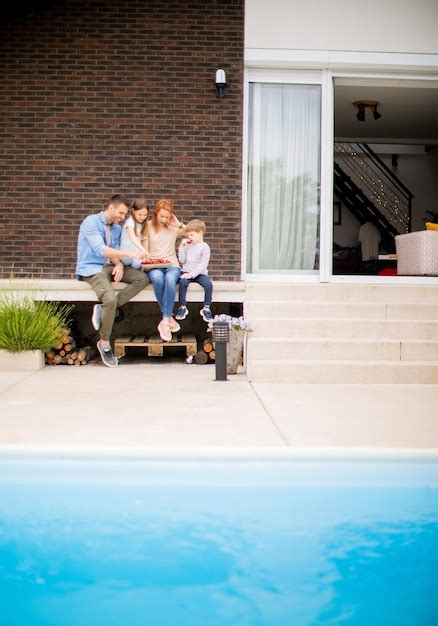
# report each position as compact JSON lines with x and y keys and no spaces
{"x":147,"y":404}
{"x":399,"y":416}
{"x":162,"y":404}
{"x":9,"y":379}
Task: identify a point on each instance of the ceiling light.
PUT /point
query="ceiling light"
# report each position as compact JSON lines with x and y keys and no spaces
{"x":362,"y":105}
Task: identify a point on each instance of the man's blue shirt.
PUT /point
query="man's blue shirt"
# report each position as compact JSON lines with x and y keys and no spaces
{"x":91,"y":244}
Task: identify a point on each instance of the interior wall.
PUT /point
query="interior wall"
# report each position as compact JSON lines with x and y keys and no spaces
{"x":374,"y":25}
{"x":346,"y":233}
{"x":419,"y":173}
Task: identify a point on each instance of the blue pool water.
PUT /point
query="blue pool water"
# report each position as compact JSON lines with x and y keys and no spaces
{"x":226,"y":543}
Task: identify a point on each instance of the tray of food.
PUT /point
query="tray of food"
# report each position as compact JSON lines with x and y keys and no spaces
{"x":150,"y":264}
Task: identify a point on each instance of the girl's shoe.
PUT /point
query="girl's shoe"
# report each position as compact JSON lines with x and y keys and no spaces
{"x":174,"y":326}
{"x":164,"y":330}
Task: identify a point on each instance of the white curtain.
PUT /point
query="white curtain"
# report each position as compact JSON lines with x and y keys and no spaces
{"x":283,"y":176}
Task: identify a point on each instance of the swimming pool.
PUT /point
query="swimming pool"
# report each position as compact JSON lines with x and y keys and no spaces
{"x":283,"y":540}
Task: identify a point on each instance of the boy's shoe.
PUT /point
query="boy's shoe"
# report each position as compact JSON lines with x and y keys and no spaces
{"x":206,"y":314}
{"x":182,"y":313}
{"x":96,"y":318}
{"x":174,"y":326}
{"x":107,"y":355}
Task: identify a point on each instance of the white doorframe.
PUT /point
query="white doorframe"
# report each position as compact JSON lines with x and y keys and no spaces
{"x":327,"y":148}
{"x":273,"y":75}
{"x":383,"y":75}
{"x":270,"y":65}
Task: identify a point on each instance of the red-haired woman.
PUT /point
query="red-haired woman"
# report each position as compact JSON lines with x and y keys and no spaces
{"x":163,"y":230}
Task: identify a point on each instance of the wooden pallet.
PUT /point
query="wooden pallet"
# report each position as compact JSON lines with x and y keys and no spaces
{"x":154,"y":345}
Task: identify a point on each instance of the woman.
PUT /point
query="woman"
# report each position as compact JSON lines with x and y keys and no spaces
{"x":163,"y":230}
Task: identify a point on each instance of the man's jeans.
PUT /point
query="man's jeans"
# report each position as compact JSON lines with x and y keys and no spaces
{"x":201,"y":279}
{"x":164,"y":283}
{"x":101,"y":283}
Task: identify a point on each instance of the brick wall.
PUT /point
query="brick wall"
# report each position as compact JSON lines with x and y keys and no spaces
{"x":102,"y":97}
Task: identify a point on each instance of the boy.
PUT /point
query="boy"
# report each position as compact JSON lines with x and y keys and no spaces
{"x":194,"y":255}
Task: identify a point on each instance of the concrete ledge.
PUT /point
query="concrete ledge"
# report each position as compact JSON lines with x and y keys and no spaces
{"x":71,"y":290}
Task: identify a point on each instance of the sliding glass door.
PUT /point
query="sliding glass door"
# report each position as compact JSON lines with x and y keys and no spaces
{"x":283,"y":178}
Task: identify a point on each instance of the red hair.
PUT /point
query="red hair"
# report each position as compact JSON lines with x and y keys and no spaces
{"x":165,"y":204}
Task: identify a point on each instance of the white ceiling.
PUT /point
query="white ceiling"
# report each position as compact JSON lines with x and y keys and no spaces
{"x":409,"y":110}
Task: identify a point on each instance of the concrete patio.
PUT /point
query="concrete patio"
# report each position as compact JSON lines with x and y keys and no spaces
{"x":178,"y":405}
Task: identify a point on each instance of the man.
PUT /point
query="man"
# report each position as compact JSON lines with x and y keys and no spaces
{"x":99,"y":261}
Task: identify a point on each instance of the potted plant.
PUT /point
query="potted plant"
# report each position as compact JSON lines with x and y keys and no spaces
{"x":29,"y":328}
{"x":238,"y":328}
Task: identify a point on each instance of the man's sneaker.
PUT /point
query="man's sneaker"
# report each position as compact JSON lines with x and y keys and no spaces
{"x":96,"y":318}
{"x":182,"y":313}
{"x":206,"y":314}
{"x":107,"y":355}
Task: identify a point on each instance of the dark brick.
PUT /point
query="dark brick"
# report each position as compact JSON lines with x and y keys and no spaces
{"x":118,"y":96}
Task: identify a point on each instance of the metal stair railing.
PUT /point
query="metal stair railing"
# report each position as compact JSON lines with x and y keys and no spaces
{"x":362,"y":208}
{"x":385,"y":191}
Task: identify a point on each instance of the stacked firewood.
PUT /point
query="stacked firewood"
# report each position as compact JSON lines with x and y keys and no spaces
{"x":206,"y":354}
{"x":66,"y":352}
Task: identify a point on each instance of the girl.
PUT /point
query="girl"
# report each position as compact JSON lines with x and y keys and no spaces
{"x":163,"y":229}
{"x":135,"y":232}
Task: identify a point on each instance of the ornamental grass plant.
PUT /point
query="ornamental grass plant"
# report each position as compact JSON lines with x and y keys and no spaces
{"x":29,"y":325}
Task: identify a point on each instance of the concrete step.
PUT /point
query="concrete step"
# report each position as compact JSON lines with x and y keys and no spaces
{"x":419,"y":350}
{"x":308,"y":349}
{"x":346,"y":292}
{"x":418,"y":311}
{"x":342,"y":372}
{"x":344,"y":328}
{"x":354,"y":349}
{"x":364,"y":310}
{"x":372,"y":310}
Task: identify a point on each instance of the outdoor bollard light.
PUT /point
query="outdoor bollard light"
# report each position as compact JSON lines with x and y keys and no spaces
{"x":221,"y":336}
{"x":220,"y":82}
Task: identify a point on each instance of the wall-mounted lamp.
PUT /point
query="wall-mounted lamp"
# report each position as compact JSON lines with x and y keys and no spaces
{"x":364,"y":104}
{"x":220,"y":82}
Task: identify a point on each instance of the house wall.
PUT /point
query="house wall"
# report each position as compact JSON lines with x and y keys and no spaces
{"x":107,"y":97}
{"x":374,"y":25}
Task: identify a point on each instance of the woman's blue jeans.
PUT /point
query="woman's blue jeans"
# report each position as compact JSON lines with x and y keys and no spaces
{"x":164,"y":284}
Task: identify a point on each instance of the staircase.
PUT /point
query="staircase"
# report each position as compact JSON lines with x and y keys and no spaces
{"x":371,"y":191}
{"x":342,"y":333}
{"x":362,"y":208}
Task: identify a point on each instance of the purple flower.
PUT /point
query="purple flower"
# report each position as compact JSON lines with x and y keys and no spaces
{"x":234,"y":323}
